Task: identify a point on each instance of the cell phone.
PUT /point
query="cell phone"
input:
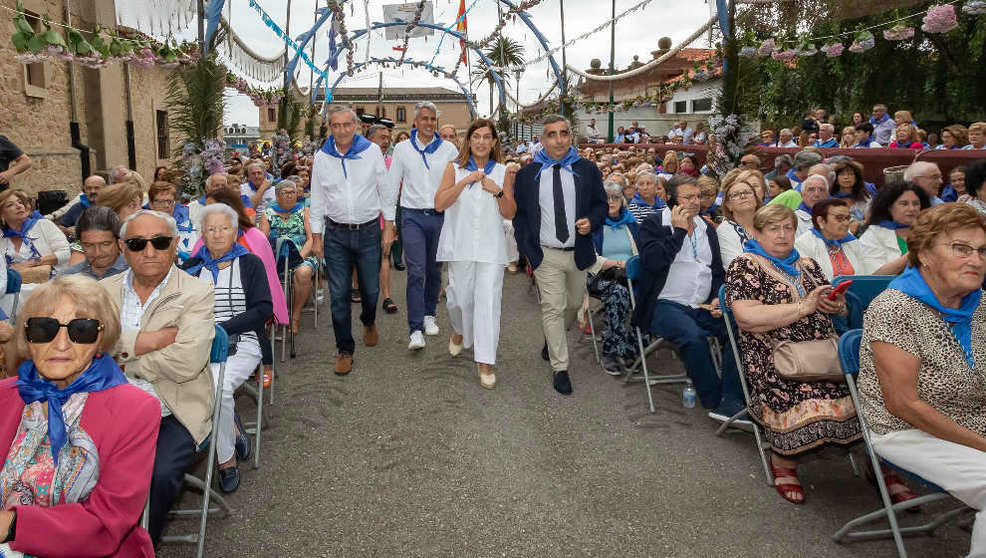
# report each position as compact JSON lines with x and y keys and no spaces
{"x":842,"y":288}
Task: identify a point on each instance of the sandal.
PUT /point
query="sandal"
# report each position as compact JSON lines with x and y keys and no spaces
{"x":354,"y":296}
{"x":899,"y":492}
{"x":389,"y":306}
{"x":786,"y":483}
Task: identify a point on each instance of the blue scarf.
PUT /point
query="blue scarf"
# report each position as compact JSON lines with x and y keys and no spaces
{"x":181,"y":217}
{"x":786,"y":265}
{"x":833,"y":243}
{"x":866,"y":142}
{"x":892,"y":225}
{"x":566,"y":162}
{"x":10,"y":232}
{"x":432,"y":147}
{"x":84,"y":201}
{"x":842,"y":195}
{"x":202,"y":200}
{"x":625,"y":219}
{"x":490,"y":165}
{"x":959,"y":320}
{"x":102,"y":374}
{"x":795,"y":181}
{"x":213,"y":264}
{"x":639,"y":200}
{"x":805,"y":208}
{"x":876,"y":122}
{"x":277,"y":207}
{"x":360,"y":144}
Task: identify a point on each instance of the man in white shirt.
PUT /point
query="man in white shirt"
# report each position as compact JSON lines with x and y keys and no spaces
{"x":678,"y":295}
{"x":592,"y":133}
{"x":420,"y":163}
{"x":814,"y":189}
{"x":786,"y":139}
{"x":682,"y":130}
{"x":349,"y":192}
{"x":258,"y":187}
{"x":521,"y":148}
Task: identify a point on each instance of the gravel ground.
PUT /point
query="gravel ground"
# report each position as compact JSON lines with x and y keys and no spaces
{"x":409,"y":456}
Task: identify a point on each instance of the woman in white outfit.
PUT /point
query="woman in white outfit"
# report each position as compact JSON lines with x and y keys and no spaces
{"x":884,"y":238}
{"x":476,"y":194}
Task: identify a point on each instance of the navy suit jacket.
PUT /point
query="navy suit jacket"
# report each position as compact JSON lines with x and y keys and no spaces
{"x":658,"y":246}
{"x":590,"y":202}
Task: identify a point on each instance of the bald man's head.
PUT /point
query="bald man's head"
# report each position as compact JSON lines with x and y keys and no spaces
{"x":92,"y":186}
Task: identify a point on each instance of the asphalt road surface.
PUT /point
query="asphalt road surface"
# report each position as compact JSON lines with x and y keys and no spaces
{"x":409,"y":456}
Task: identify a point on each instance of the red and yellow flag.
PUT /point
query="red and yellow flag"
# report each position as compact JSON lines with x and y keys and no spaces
{"x":461,"y":27}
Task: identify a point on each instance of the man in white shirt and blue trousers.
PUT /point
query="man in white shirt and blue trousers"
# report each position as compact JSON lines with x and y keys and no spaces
{"x":420,"y":163}
{"x":349,"y":193}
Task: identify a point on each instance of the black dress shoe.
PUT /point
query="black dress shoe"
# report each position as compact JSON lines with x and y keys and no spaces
{"x":229,"y":479}
{"x":243,"y":447}
{"x":544,"y":352}
{"x":563,"y":384}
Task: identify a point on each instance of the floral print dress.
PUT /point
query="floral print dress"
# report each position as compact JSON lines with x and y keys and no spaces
{"x":797,"y":416}
{"x":291,"y":228}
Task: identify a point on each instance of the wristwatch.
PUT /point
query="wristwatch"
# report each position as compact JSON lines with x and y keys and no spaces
{"x":499,"y":194}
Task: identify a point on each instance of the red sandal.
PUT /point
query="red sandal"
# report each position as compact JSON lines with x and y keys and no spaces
{"x":786,"y":481}
{"x":899,"y":492}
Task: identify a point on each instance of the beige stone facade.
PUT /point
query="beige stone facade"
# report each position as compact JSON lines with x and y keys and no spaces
{"x":37,"y":107}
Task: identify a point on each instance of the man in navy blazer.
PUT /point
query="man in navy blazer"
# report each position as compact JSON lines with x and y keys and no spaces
{"x":677,"y":295}
{"x":560,"y":202}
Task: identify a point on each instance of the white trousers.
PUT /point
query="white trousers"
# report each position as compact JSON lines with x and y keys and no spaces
{"x":473,"y":300}
{"x":508,"y":231}
{"x":238,"y":369}
{"x":959,"y":469}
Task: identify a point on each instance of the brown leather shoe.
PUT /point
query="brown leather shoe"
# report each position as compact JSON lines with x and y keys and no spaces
{"x":344,"y":364}
{"x":370,"y":335}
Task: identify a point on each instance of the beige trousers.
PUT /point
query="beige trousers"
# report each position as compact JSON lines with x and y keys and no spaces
{"x":562,"y":286}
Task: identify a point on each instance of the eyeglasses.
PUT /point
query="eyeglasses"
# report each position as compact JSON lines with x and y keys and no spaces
{"x":745,"y":163}
{"x":80,"y":330}
{"x":168,"y":203}
{"x":137,"y":244}
{"x":614,"y":198}
{"x":741,"y":195}
{"x":962,"y":250}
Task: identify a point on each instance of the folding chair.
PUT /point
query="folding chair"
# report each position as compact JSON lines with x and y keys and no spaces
{"x":733,"y":331}
{"x":257,"y":393}
{"x":219,"y":354}
{"x":285,"y":250}
{"x":849,"y":358}
{"x":861,"y":293}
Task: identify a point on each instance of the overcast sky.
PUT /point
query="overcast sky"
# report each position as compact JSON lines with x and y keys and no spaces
{"x":636,"y":34}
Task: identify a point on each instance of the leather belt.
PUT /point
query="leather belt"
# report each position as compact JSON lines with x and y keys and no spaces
{"x":353,"y":227}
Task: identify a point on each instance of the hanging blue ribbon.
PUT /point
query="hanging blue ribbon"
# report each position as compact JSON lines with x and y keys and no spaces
{"x":333,"y":60}
{"x":722,"y":11}
{"x":432,"y":147}
{"x":213,"y":264}
{"x":288,"y":41}
{"x":360,"y":144}
{"x":213,"y":13}
{"x":102,"y":374}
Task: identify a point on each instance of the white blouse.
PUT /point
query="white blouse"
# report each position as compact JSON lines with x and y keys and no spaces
{"x":810,"y":246}
{"x":46,"y":239}
{"x":879,"y":246}
{"x":473,"y":228}
{"x":730,"y":241}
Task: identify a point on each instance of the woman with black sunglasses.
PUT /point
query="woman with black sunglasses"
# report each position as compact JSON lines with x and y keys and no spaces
{"x":78,"y":439}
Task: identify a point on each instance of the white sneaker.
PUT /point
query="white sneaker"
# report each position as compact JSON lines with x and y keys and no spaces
{"x":417,"y":341}
{"x":431,"y":326}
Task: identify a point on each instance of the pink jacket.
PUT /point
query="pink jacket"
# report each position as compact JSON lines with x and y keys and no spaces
{"x":123,"y":422}
{"x":259,"y":246}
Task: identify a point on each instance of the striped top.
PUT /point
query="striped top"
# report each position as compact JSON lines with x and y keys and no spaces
{"x":230,"y":295}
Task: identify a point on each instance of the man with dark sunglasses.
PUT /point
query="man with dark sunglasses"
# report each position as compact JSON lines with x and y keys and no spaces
{"x":167,"y":319}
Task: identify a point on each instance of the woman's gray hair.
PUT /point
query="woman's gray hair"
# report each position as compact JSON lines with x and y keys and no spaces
{"x":172,"y":225}
{"x":619,"y":175}
{"x":657,"y":179}
{"x":613,"y":188}
{"x":256,"y":164}
{"x":289,"y":182}
{"x":425,"y":105}
{"x":221,"y":209}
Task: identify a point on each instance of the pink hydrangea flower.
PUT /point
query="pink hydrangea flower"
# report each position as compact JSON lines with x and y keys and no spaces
{"x":940,"y":19}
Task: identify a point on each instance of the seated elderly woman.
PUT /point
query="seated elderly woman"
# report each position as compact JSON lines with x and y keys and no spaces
{"x":778,"y":296}
{"x":884,"y":236}
{"x":242,"y":307}
{"x":30,"y":241}
{"x":920,"y":377}
{"x":288,"y":219}
{"x":830,"y":244}
{"x":80,"y":439}
{"x":615,"y":243}
{"x":648,"y":197}
{"x":163,"y":197}
{"x":740,"y":204}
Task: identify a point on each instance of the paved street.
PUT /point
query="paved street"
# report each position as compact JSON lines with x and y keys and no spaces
{"x":409,"y":456}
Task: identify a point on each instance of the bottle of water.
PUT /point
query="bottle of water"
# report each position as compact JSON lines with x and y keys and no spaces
{"x":688,"y":396}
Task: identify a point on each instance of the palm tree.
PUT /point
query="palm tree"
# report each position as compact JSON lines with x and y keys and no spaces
{"x":505,"y":52}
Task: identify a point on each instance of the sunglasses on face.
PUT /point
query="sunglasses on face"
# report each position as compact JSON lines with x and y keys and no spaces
{"x":137,"y":244}
{"x":84,"y":331}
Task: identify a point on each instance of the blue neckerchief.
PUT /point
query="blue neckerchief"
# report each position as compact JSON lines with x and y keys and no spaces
{"x":841,"y":195}
{"x":892,"y":225}
{"x":250,"y":184}
{"x":277,"y":207}
{"x":182,"y":219}
{"x":625,"y":219}
{"x":795,"y":181}
{"x":711,"y":210}
{"x":432,"y":147}
{"x":786,"y":265}
{"x":658,"y":202}
{"x":833,"y":243}
{"x":866,"y":142}
{"x":876,"y":122}
{"x":959,"y":320}
{"x":566,"y":162}
{"x":25,"y":227}
{"x":829,"y":143}
{"x":84,"y":201}
{"x":213,"y":264}
{"x":360,"y":144}
{"x":488,"y":168}
{"x":805,"y":208}
{"x":247,"y":202}
{"x":101,"y":374}
{"x":202,"y":200}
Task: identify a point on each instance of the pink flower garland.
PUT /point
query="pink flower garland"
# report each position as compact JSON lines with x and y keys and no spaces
{"x":940,"y":19}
